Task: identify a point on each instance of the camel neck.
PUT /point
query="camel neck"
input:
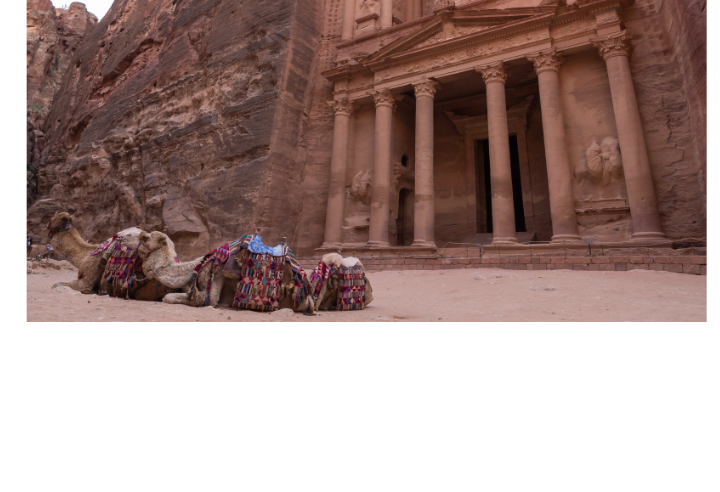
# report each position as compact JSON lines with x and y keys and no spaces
{"x":70,"y":244}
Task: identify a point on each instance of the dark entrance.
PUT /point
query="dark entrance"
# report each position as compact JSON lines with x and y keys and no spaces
{"x":405,"y":226}
{"x":483,"y":194}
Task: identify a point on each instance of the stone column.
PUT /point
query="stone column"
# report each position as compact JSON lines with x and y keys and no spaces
{"x":503,"y":208}
{"x":386,"y":13}
{"x":560,"y":179}
{"x":338,"y":163}
{"x":414,"y":10}
{"x":382,"y":169}
{"x":615,"y":50}
{"x":348,"y":29}
{"x":424,"y":183}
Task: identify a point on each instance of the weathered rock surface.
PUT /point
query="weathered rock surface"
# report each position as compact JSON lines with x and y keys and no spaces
{"x":52,"y":38}
{"x":185,"y":115}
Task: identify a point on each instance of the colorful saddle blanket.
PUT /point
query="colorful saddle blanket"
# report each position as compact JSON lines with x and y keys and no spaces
{"x":351,"y":291}
{"x":218,"y":257}
{"x":260,"y":279}
{"x":122,"y":267}
{"x":318,"y":277}
{"x":302,"y":286}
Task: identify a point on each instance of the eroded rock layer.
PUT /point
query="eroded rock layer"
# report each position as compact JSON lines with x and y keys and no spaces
{"x":52,"y":38}
{"x":187,"y":115}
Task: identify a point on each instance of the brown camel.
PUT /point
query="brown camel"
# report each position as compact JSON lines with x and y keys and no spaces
{"x":67,"y":240}
{"x":328,"y":295}
{"x":159,"y":263}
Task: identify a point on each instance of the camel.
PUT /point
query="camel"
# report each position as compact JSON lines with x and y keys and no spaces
{"x":328,"y":295}
{"x":67,"y":240}
{"x":158,"y":263}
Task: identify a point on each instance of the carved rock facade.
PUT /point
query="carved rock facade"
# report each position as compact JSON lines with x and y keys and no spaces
{"x":211,"y":118}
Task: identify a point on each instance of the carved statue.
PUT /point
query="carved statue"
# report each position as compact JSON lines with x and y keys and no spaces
{"x":366,"y":7}
{"x":361,"y":188}
{"x":604,"y":162}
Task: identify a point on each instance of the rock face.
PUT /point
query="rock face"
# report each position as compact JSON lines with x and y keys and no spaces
{"x":187,"y":115}
{"x":52,"y":38}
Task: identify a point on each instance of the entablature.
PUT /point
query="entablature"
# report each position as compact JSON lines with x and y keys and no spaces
{"x":455,"y":40}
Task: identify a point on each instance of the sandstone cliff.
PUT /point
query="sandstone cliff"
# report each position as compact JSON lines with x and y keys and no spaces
{"x":52,"y":38}
{"x":187,"y":115}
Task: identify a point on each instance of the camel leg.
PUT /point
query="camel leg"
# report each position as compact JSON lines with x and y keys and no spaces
{"x":182,"y":298}
{"x":216,"y":289}
{"x":78,"y":284}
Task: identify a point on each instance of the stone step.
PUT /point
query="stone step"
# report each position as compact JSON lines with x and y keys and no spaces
{"x":487,"y":237}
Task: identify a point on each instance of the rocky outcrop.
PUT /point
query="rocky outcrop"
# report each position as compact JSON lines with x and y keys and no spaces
{"x":185,"y":115}
{"x":52,"y":38}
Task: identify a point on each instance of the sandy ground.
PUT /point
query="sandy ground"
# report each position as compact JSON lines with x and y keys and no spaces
{"x":439,"y":295}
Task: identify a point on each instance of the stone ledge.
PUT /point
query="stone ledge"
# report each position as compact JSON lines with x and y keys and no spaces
{"x":691,"y":265}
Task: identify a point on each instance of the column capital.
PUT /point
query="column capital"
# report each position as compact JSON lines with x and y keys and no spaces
{"x":383,"y":97}
{"x":546,"y":60}
{"x":617,"y":44}
{"x":494,"y":72}
{"x":341,"y":106}
{"x":426,"y":87}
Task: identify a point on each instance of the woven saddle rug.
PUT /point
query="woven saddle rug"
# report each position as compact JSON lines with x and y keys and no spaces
{"x":260,"y":280}
{"x":216,"y":257}
{"x":318,"y":277}
{"x":302,"y":285}
{"x":122,"y":267}
{"x":351,"y":291}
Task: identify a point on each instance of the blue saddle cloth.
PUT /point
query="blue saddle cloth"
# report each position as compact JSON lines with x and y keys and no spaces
{"x":256,"y":246}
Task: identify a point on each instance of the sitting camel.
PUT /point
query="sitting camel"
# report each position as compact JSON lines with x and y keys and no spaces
{"x":325,"y":282}
{"x":66,"y":240}
{"x":158,"y":263}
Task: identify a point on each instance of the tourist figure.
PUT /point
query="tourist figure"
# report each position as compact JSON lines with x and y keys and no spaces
{"x":49,"y":252}
{"x":29,"y":244}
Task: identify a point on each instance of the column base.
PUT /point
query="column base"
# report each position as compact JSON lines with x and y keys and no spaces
{"x":641,"y":236}
{"x":423,"y":243}
{"x":565,"y":238}
{"x":331,"y":246}
{"x":504,"y":240}
{"x":378,"y":244}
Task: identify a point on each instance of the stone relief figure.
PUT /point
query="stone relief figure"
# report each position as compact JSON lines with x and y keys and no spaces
{"x":366,"y":7}
{"x":361,"y":187}
{"x":604,"y":163}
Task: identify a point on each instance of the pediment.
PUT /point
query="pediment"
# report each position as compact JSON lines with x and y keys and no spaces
{"x":458,"y":25}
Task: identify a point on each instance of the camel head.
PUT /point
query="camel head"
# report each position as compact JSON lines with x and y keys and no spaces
{"x":61,"y":221}
{"x":151,"y":242}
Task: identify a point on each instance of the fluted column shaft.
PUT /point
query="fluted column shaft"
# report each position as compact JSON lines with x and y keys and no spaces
{"x":382,"y":169}
{"x":615,"y":50}
{"x":560,"y":180}
{"x":503,"y":207}
{"x":338,"y":164}
{"x":386,"y":13}
{"x":348,"y":29}
{"x":424,"y":182}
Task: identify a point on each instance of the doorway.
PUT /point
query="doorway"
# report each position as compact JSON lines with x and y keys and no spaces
{"x":405,"y":220}
{"x":483,"y":193}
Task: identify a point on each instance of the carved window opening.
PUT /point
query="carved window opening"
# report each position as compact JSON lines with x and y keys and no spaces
{"x":404,"y":161}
